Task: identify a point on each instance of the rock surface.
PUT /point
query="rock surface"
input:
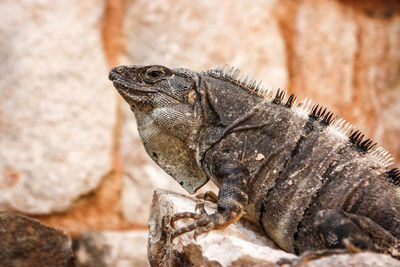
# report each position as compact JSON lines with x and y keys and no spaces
{"x":57,"y":107}
{"x":25,"y":243}
{"x":201,"y":35}
{"x":114,"y":249}
{"x":240,"y":244}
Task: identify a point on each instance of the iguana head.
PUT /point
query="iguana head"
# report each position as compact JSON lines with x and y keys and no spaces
{"x":168,"y":114}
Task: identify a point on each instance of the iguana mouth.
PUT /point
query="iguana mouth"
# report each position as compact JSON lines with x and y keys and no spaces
{"x":132,"y":91}
{"x":125,"y":84}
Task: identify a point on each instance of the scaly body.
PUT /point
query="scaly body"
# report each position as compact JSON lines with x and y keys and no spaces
{"x":312,"y":182}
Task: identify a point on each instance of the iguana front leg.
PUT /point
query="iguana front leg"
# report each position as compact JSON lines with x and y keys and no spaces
{"x":232,"y":199}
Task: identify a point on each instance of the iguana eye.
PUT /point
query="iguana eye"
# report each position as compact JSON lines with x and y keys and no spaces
{"x":153,"y":75}
{"x":192,"y":96}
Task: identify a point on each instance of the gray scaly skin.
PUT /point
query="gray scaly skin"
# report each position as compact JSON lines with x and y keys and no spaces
{"x":312,"y":181}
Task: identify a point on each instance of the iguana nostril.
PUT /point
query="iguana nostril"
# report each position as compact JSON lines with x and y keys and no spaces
{"x":111,"y":75}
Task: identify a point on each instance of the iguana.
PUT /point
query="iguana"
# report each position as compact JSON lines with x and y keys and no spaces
{"x":309,"y":178}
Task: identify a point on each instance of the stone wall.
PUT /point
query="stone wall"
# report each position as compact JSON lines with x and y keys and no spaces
{"x":70,"y":154}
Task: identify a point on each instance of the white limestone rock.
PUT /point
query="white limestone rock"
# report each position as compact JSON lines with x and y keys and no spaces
{"x":57,"y":108}
{"x":203,"y":34}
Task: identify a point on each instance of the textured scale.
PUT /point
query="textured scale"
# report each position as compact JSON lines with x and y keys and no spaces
{"x":308,"y":177}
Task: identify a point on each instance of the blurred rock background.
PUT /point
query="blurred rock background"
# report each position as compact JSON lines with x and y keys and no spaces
{"x":70,"y":154}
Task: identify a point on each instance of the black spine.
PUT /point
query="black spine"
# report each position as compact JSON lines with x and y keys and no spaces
{"x":394,"y":176}
{"x":357,"y":137}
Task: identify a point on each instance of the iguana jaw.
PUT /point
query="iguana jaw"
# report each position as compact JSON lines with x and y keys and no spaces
{"x":134,"y":92}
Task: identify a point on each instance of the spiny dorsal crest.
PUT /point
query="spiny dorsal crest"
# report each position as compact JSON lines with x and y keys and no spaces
{"x":315,"y":111}
{"x":394,"y":176}
{"x":245,"y":81}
